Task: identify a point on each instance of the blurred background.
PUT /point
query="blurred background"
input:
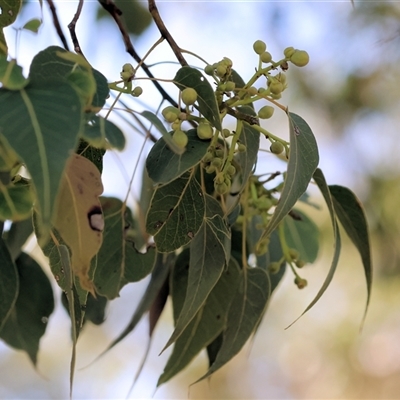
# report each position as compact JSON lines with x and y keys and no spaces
{"x":349,"y":94}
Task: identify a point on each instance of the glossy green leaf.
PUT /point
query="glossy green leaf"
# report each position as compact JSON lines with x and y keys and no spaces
{"x":9,"y":284}
{"x":11,"y":76}
{"x":209,"y":254}
{"x":246,"y":310}
{"x":160,"y":273}
{"x":247,"y":160}
{"x":9,"y":11}
{"x":41,"y":124}
{"x":102,"y":133}
{"x":319,"y":179}
{"x":84,"y":84}
{"x":302,"y":234}
{"x":118,"y":262}
{"x":33,"y":25}
{"x":208,"y":107}
{"x":93,"y":154}
{"x":102,"y":90}
{"x":28,"y":320}
{"x":303,"y":161}
{"x":352,"y":217}
{"x":208,"y":322}
{"x":167,"y":136}
{"x":163,"y":165}
{"x":176,"y":213}
{"x":16,"y":202}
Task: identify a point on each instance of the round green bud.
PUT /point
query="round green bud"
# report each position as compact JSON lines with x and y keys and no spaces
{"x":231,"y":170}
{"x":289,"y":51}
{"x":137,"y":91}
{"x":176,"y":125}
{"x":227,"y":61}
{"x":276,"y":96}
{"x":261,"y":90}
{"x":282,"y":78}
{"x":300,"y":58}
{"x":128,"y":72}
{"x":217,"y":162}
{"x":264,"y":204}
{"x":259,"y":46}
{"x":208,"y":157}
{"x":274,"y":267}
{"x":253,"y":91}
{"x":222,"y":87}
{"x":266,"y":112}
{"x":221,"y":188}
{"x":276,"y":87}
{"x":180,"y":138}
{"x":276,"y":147}
{"x":300,"y":263}
{"x":300,"y":282}
{"x":205,"y":131}
{"x":266,"y":57}
{"x":219,"y":178}
{"x":210,"y":169}
{"x":170,"y":113}
{"x":221,"y":70}
{"x":189,"y":96}
{"x":241,"y":148}
{"x":294,"y":254}
{"x":220,"y":153}
{"x":230,"y":86}
{"x":209,"y":69}
{"x":226,"y":133}
{"x":228,"y":182}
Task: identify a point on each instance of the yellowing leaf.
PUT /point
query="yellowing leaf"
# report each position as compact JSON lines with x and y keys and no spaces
{"x":78,"y":217}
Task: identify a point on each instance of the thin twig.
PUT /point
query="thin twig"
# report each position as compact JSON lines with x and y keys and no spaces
{"x":165,"y":33}
{"x":71,"y":28}
{"x":56,"y":24}
{"x":115,"y":12}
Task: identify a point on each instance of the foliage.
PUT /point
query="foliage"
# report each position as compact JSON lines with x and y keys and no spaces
{"x":217,"y":237}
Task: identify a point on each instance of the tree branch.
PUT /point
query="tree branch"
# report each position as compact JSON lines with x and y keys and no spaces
{"x":165,"y":33}
{"x":56,"y":24}
{"x":71,"y":28}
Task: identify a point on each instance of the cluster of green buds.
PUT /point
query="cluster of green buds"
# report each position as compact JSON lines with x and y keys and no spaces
{"x":127,"y":76}
{"x":175,"y":117}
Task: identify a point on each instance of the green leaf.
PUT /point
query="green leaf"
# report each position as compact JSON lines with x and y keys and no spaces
{"x":42,"y":124}
{"x":209,"y":254}
{"x":11,"y":75}
{"x":9,"y":11}
{"x":16,"y":237}
{"x":93,"y":154}
{"x":208,"y":107}
{"x":118,"y":262}
{"x":303,"y":161}
{"x":28,"y":320}
{"x":319,"y":179}
{"x":351,"y":215}
{"x":246,"y":310}
{"x":102,"y":90}
{"x":16,"y":202}
{"x":159,"y":275}
{"x":33,"y":25}
{"x":167,"y":136}
{"x":163,"y":165}
{"x":247,"y":160}
{"x":176,"y":213}
{"x":102,"y":133}
{"x":302,"y":234}
{"x":9,"y":284}
{"x":209,"y":321}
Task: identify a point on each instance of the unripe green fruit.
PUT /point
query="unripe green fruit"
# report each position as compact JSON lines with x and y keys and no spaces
{"x":209,"y":69}
{"x":300,"y":58}
{"x":220,"y":153}
{"x":261,"y":90}
{"x":300,"y":282}
{"x":266,"y":112}
{"x":217,"y":162}
{"x":210,"y":169}
{"x":137,"y":91}
{"x":253,"y":91}
{"x":230,"y":86}
{"x":176,"y":125}
{"x":205,"y":131}
{"x":208,"y":157}
{"x":222,"y":87}
{"x":276,"y":96}
{"x":294,"y":254}
{"x":180,"y":138}
{"x":189,"y":96}
{"x":219,"y":178}
{"x":241,"y":148}
{"x":231,"y":170}
{"x":259,"y":46}
{"x":300,"y":263}
{"x":227,"y":61}
{"x":226,"y":133}
{"x":266,"y":57}
{"x":170,"y":113}
{"x":221,"y":188}
{"x":128,"y":72}
{"x":221,"y":70}
{"x":276,"y":87}
{"x":274,"y":267}
{"x":276,"y":147}
{"x":289,"y":51}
